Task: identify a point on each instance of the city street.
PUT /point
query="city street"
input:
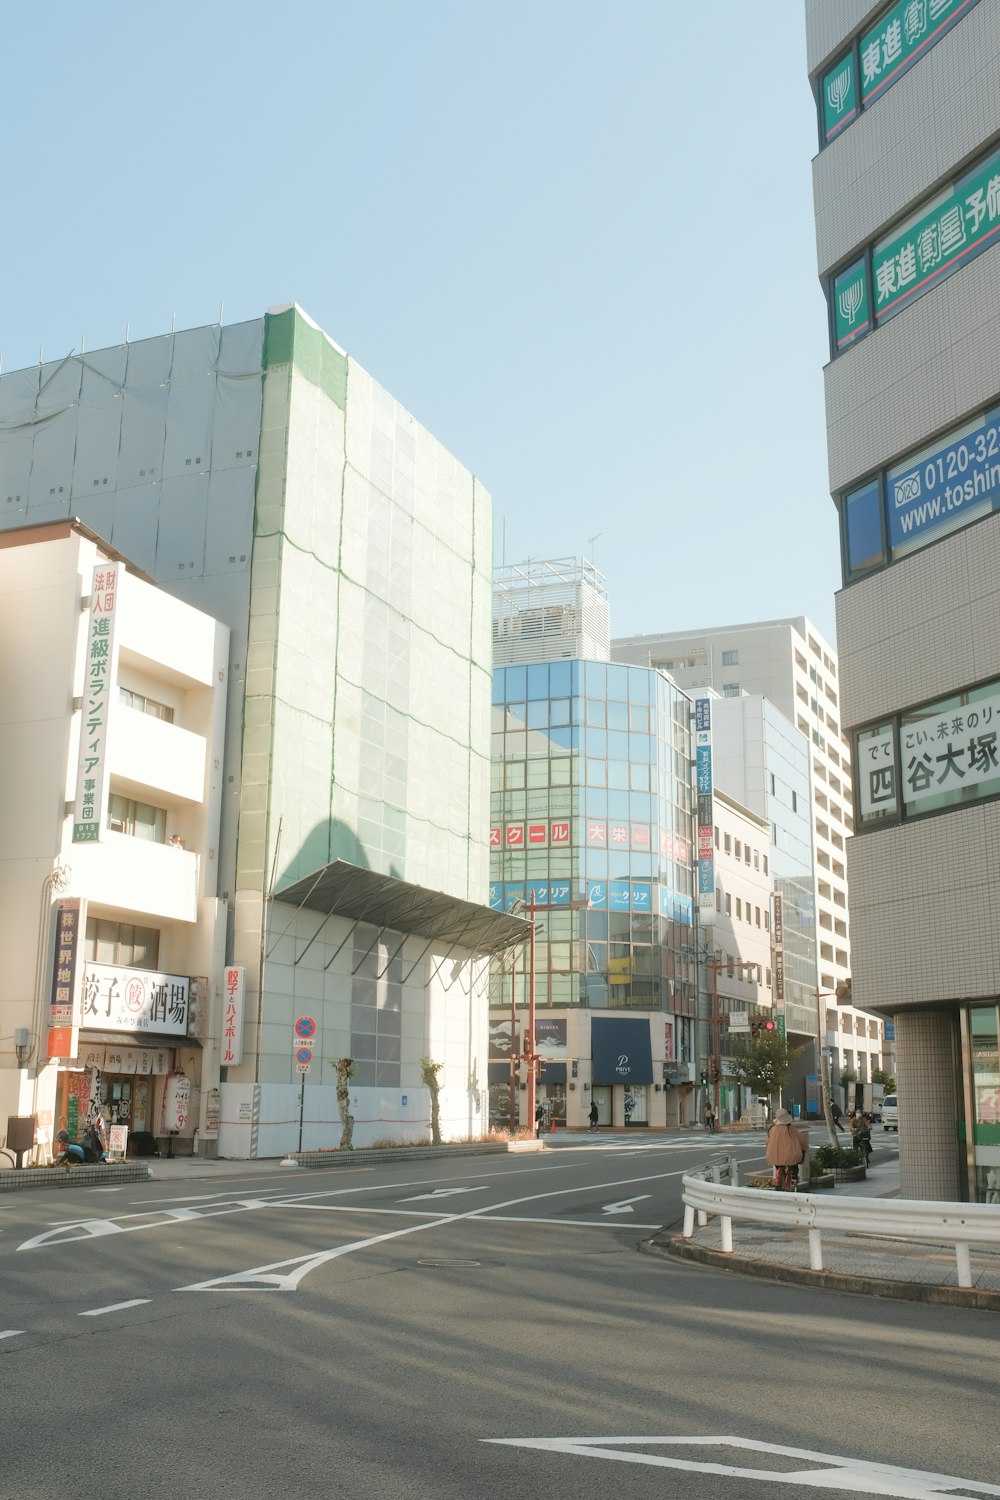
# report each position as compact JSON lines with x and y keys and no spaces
{"x":453,"y":1328}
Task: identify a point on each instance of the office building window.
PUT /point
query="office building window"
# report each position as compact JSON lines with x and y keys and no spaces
{"x":730,"y":658}
{"x":144,"y":705}
{"x":121,"y":943}
{"x":137,"y":819}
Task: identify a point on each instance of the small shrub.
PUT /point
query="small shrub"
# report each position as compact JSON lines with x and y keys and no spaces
{"x":831,"y":1158}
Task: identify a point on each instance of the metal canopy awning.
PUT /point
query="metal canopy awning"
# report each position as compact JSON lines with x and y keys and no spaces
{"x":341,"y":889}
{"x":135,"y":1039}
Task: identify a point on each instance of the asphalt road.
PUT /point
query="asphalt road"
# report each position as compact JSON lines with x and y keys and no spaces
{"x":441,"y":1330}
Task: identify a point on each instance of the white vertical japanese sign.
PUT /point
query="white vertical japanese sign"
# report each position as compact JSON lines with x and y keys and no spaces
{"x":706,"y":828}
{"x":100,"y":677}
{"x":233,"y":986}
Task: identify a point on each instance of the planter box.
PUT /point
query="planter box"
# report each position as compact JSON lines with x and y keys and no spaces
{"x":849,"y":1174}
{"x":96,"y":1175}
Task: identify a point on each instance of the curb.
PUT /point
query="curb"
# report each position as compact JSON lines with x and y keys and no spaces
{"x":678,"y":1248}
{"x":364,"y":1156}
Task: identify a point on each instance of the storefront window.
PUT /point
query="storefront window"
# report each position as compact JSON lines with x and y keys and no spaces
{"x":983,"y":1031}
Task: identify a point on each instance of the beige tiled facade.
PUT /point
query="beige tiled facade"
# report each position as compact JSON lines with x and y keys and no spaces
{"x":924,"y":893}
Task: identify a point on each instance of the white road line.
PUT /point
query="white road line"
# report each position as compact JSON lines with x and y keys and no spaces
{"x":441,"y":1193}
{"x":285,"y":1275}
{"x":97,"y":1312}
{"x":11,"y":1333}
{"x":830,"y":1470}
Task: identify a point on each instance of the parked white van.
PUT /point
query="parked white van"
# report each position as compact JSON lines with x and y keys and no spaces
{"x":890,"y":1113}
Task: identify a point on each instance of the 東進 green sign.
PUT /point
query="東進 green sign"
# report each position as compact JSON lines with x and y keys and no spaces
{"x":903,"y":34}
{"x":958,"y":228}
{"x":851,"y":308}
{"x":840,"y":97}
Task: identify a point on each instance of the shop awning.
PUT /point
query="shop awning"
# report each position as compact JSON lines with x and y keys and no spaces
{"x":621,"y":1050}
{"x":344,"y":890}
{"x":136,"y":1039}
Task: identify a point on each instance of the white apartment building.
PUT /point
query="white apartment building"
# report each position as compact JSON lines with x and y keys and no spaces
{"x":788,"y":662}
{"x":112,"y":723}
{"x":739,"y":938}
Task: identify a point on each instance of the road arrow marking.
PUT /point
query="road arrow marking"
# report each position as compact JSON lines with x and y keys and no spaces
{"x":442,"y":1193}
{"x":829,"y":1471}
{"x":625,"y":1206}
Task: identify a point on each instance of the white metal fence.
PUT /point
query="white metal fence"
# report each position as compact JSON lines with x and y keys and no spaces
{"x":957,"y":1224}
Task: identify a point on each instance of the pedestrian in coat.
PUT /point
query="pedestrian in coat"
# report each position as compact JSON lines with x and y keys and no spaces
{"x":593,"y":1114}
{"x":784,"y":1150}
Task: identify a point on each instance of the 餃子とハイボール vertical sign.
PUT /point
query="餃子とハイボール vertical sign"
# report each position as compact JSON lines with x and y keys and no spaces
{"x":233,"y":985}
{"x":100,"y":676}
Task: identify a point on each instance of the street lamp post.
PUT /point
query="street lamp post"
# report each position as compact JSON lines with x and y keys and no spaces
{"x":824,"y":1065}
{"x":531,"y":1056}
{"x":715,"y":964}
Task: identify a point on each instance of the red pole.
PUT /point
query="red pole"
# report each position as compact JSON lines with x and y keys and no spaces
{"x":529,"y":1042}
{"x":716,"y":1060}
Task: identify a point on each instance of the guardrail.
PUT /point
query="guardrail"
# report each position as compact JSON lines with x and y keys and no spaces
{"x":957,"y":1224}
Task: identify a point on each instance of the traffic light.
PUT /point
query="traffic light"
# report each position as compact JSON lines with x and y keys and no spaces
{"x":760,"y":1026}
{"x":704,"y":1078}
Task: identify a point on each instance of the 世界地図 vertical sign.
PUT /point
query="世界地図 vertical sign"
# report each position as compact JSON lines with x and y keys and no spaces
{"x":99,"y":684}
{"x":67,"y":973}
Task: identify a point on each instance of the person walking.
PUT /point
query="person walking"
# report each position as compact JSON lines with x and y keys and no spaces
{"x":861,"y":1137}
{"x":711,"y":1119}
{"x":784,"y":1151}
{"x":592,"y":1116}
{"x":539,"y":1120}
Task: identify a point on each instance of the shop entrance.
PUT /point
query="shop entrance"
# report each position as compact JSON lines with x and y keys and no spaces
{"x":602,"y":1098}
{"x":635,"y":1104}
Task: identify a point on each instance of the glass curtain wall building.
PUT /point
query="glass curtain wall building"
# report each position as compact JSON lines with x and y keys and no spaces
{"x":591,"y":816}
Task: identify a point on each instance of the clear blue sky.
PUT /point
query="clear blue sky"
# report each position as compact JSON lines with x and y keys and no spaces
{"x":574,"y":239}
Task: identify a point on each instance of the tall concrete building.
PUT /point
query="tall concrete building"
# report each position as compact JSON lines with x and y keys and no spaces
{"x":907,"y":200}
{"x":789,"y":663}
{"x":257,"y":473}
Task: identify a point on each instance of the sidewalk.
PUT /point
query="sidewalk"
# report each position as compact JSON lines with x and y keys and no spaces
{"x":874,"y":1265}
